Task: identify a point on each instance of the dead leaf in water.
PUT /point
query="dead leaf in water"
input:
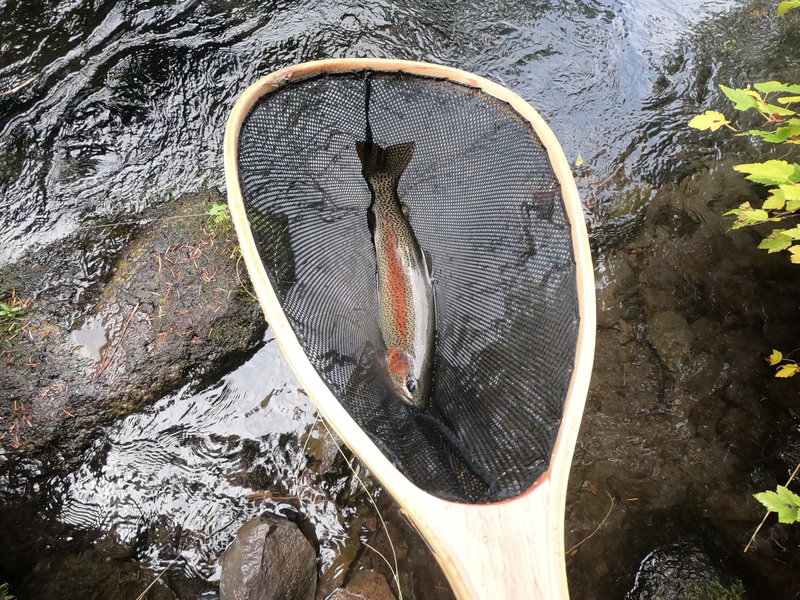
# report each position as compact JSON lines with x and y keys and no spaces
{"x":775,"y":357}
{"x":787,"y":370}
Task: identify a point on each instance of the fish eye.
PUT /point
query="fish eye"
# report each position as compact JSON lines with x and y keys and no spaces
{"x":411,"y":385}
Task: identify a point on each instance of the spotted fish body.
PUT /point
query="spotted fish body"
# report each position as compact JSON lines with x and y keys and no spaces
{"x":405,"y":290}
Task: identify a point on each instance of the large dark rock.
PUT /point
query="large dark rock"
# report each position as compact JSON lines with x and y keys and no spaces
{"x":269,"y":560}
{"x":119,"y":317}
{"x":683,"y":572}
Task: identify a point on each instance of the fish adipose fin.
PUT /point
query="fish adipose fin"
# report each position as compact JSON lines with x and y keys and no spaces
{"x":392,"y":160}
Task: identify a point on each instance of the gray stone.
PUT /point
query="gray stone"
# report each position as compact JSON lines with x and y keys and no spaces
{"x":270,"y":559}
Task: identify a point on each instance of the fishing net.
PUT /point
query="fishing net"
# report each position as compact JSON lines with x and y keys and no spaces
{"x":485,"y":206}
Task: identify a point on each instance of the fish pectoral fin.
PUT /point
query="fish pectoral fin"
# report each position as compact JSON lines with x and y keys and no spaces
{"x":428,"y":263}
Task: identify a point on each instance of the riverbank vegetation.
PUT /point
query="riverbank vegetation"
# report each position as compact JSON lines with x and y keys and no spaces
{"x":13,"y":313}
{"x":775,"y":108}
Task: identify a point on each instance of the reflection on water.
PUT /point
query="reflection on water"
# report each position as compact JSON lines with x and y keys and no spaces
{"x":90,"y":338}
{"x":187,"y":464}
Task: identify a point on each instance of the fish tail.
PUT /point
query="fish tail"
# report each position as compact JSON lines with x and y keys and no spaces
{"x":392,"y":160}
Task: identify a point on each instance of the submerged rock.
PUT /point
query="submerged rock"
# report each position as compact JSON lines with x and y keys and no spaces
{"x":670,"y":335}
{"x":681,"y":406}
{"x":683,"y":571}
{"x":270,"y":559}
{"x":90,"y":575}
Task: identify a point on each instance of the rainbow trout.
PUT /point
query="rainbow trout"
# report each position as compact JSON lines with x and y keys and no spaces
{"x":405,"y":290}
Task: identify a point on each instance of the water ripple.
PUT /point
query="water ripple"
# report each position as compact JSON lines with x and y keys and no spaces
{"x":130,"y":97}
{"x":184,"y":465}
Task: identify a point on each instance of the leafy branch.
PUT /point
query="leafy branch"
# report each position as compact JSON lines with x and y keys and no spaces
{"x":777,"y":104}
{"x":786,"y":367}
{"x":784,"y":502}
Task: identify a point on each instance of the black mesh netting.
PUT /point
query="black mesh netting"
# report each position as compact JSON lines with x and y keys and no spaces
{"x":486,"y":207}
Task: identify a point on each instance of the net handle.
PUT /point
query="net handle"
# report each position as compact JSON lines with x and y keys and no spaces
{"x":505,"y":550}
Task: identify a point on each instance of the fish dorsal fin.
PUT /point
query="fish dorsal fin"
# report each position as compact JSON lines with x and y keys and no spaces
{"x":398,"y":157}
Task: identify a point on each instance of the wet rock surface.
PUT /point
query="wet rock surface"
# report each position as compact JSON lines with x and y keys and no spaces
{"x":167,"y":307}
{"x":418,"y":572}
{"x":365,"y":585}
{"x":270,"y":559}
{"x":684,"y":571}
{"x":90,"y":575}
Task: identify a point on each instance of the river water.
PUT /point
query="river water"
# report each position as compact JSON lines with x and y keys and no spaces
{"x":125,"y":102}
{"x":115,"y":106}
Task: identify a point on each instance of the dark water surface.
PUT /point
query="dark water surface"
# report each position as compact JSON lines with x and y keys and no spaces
{"x":124,"y":106}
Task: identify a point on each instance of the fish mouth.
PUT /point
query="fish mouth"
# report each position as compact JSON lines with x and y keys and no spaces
{"x":405,"y":393}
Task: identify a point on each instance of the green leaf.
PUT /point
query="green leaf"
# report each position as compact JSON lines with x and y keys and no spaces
{"x":794,"y":251}
{"x":775,"y":202}
{"x":217,"y":209}
{"x":740,"y":98}
{"x":776,"y":86}
{"x":772,"y":110}
{"x":791,"y":504}
{"x":759,"y":132}
{"x":787,"y":515}
{"x":775,"y":243}
{"x":747,"y":215}
{"x":789,"y":5}
{"x":789,"y":191}
{"x":793,"y":233}
{"x":771,"y":501}
{"x":710,"y":119}
{"x":788,"y":496}
{"x":789,"y":99}
{"x":754,"y":214}
{"x":781,"y":134}
{"x":771,"y":172}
